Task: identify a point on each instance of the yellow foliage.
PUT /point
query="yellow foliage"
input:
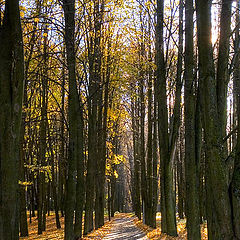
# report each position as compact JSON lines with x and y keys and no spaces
{"x":115,"y":174}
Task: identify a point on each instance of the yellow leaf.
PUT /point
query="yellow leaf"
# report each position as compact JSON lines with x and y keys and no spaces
{"x":115,"y":174}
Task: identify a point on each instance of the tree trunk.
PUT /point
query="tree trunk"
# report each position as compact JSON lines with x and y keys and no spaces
{"x":94,"y":58}
{"x":62,"y":162}
{"x":235,"y":184}
{"x":22,"y":189}
{"x":150,"y":211}
{"x":54,"y":185}
{"x":192,"y":191}
{"x":80,"y":191}
{"x":219,"y":214}
{"x":11,"y":95}
{"x":74,"y":109}
{"x":167,"y":140}
{"x":136,"y":180}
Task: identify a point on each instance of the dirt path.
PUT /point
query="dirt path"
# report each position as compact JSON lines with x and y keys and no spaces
{"x":124,"y":228}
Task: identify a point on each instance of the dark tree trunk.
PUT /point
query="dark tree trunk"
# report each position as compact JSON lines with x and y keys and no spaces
{"x":150,"y":210}
{"x":43,"y":144}
{"x":235,"y":184}
{"x":100,"y":164}
{"x":167,"y":135}
{"x":136,"y":180}
{"x":22,"y":196}
{"x":80,"y":191}
{"x":219,"y":214}
{"x":191,"y":166}
{"x":22,"y":190}
{"x":62,"y":161}
{"x":94,"y":58}
{"x":11,"y":95}
{"x":74,"y":110}
{"x":54,"y":181}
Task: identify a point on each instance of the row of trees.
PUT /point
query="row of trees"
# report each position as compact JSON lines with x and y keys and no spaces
{"x":72,"y":121}
{"x":192,"y":104}
{"x":105,"y":78}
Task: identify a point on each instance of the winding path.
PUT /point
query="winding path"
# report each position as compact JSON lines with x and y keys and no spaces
{"x":124,"y":228}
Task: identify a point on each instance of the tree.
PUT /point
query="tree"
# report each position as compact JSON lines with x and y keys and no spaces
{"x":191,"y":165}
{"x":11,"y":96}
{"x":167,"y":134}
{"x":75,"y":155}
{"x":235,"y":183}
{"x":213,"y":94}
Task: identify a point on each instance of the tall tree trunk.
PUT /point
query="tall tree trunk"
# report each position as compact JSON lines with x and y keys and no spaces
{"x":62,"y":163}
{"x":74,"y":109}
{"x":222,"y":76}
{"x":43,"y":143}
{"x":142,"y":148}
{"x":192,"y":191}
{"x":100,"y":165}
{"x":11,"y":95}
{"x":102,"y":146}
{"x":136,"y":181}
{"x":155,"y":156}
{"x":219,"y":214}
{"x":95,"y":121}
{"x":150,"y":211}
{"x":80,"y":191}
{"x":167,"y":137}
{"x":22,"y":190}
{"x":235,"y":184}
{"x":54,"y":181}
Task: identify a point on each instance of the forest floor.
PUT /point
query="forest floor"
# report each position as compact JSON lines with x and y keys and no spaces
{"x":122,"y":226}
{"x":156,"y":234}
{"x":52,"y":233}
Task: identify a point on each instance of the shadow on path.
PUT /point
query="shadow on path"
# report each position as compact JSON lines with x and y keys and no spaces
{"x":124,"y":228}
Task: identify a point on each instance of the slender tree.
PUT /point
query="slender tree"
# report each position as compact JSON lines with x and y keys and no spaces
{"x":192,"y":191}
{"x":167,"y":134}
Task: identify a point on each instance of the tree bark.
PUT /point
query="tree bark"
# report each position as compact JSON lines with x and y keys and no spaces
{"x":74,"y":109}
{"x":219,"y":214}
{"x":192,"y":191}
{"x":11,"y":96}
{"x":235,"y":184}
{"x":136,"y":181}
{"x":167,"y":140}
